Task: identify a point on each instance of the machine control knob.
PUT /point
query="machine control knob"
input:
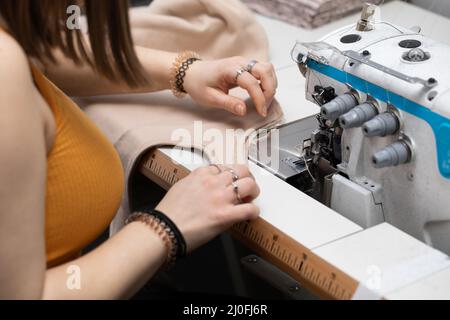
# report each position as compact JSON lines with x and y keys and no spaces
{"x":358,"y":115}
{"x":416,"y":55}
{"x":338,"y":106}
{"x":382,"y":125}
{"x":393,"y":155}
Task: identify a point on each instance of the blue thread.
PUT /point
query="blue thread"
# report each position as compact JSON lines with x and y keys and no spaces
{"x":439,"y":124}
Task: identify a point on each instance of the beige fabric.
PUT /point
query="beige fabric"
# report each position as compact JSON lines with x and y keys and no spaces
{"x":214,"y":28}
{"x":135,"y":123}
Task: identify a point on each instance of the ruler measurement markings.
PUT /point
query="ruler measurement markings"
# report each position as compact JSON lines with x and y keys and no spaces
{"x":256,"y":236}
{"x":278,"y":250}
{"x":289,"y":258}
{"x":261,"y":239}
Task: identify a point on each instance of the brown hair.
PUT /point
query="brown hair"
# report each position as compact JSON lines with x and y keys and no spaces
{"x":40,"y":26}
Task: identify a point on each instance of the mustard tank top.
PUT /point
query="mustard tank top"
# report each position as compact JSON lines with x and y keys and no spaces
{"x":85,"y":178}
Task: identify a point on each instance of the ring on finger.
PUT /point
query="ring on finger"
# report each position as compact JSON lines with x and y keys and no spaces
{"x":251,"y":65}
{"x":234,"y":175}
{"x":236,"y":192}
{"x":239,"y":73}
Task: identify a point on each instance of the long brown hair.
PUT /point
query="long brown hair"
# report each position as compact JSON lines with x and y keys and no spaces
{"x":40,"y":27}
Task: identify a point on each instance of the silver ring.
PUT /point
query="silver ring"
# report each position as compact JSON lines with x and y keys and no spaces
{"x":239,"y":73}
{"x":236,"y":192}
{"x":218,"y":168}
{"x":234,"y":175}
{"x":251,"y":65}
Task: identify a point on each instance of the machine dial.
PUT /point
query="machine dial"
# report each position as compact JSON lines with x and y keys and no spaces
{"x":416,"y":55}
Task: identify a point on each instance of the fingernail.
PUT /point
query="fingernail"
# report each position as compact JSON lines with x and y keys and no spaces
{"x":240,"y":109}
{"x":264,"y":112}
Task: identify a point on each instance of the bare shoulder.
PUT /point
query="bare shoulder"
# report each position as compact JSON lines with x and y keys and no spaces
{"x":14,"y":62}
{"x":20,"y":116}
{"x":18,"y":94}
{"x":19,"y":98}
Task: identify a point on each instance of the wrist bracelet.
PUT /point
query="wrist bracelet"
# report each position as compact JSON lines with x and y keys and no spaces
{"x":166,"y":230}
{"x":181,"y":242}
{"x":178,"y":72}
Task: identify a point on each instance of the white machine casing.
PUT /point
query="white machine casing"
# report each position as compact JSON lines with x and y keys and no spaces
{"x":414,"y":196}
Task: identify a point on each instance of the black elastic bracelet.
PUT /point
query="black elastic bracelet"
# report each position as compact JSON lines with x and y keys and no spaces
{"x":182,"y":247}
{"x":179,"y":78}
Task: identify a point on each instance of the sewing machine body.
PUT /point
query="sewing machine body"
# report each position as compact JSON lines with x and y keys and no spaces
{"x":395,"y":70}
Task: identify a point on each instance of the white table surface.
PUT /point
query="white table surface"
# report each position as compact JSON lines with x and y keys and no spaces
{"x":386,"y":260}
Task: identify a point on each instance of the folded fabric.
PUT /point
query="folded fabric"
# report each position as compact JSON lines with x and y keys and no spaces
{"x":136,"y":123}
{"x":305,"y":13}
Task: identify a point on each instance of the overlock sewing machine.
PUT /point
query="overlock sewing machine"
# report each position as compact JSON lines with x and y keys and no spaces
{"x":379,"y":150}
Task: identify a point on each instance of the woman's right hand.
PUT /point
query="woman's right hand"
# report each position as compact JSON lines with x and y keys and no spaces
{"x":204,"y":204}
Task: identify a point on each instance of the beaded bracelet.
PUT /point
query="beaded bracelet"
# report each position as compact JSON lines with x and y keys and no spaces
{"x":178,"y":72}
{"x":166,"y":230}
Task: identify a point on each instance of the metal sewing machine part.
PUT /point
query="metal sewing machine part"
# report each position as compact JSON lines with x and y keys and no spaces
{"x":379,"y":148}
{"x":366,"y":23}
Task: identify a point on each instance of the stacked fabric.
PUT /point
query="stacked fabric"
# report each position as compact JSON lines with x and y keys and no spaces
{"x":305,"y":13}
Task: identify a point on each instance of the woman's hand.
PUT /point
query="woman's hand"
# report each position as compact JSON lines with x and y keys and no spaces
{"x":204,"y":204}
{"x":209,"y":82}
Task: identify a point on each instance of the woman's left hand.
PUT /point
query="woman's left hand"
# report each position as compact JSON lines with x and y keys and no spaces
{"x":209,"y":83}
